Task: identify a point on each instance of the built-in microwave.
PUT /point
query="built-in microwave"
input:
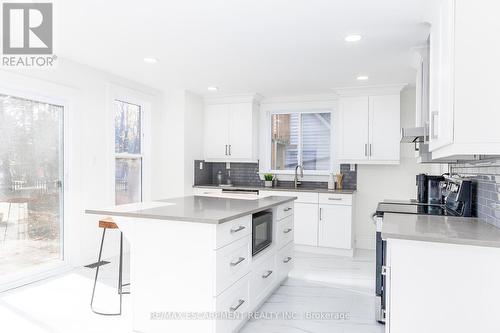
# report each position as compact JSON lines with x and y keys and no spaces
{"x":262,"y":231}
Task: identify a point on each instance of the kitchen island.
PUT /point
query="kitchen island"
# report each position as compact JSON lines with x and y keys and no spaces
{"x":192,"y":268}
{"x":441,"y":274}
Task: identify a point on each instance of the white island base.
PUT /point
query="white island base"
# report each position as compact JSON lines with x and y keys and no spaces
{"x":185,"y":273}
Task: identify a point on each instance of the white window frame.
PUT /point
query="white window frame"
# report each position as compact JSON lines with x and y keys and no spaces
{"x":268,"y":110}
{"x":143,"y":100}
{"x":46,"y":92}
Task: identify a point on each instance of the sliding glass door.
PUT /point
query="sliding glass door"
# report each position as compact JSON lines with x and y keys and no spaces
{"x":31,"y":184}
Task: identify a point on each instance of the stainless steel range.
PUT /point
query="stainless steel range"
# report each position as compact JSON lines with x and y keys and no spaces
{"x":455,"y":197}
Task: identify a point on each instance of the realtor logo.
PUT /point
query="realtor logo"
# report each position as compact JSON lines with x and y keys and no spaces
{"x":27,"y":28}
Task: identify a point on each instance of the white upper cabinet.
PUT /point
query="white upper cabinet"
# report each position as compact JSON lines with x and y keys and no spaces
{"x":231,"y":130}
{"x":353,"y":129}
{"x":384,"y":128}
{"x":368,"y":129}
{"x":464,"y":70}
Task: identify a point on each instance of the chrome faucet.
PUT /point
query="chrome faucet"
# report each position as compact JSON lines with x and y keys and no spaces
{"x":296,"y":180}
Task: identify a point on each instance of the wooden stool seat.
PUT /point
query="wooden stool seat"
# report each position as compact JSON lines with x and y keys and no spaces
{"x":107,"y":222}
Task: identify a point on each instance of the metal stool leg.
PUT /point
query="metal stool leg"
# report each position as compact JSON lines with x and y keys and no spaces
{"x":120,"y":277}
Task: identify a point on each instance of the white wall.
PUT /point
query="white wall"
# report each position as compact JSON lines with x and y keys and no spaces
{"x":90,"y":164}
{"x":379,"y":182}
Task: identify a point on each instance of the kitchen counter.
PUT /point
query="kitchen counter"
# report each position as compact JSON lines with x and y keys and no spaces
{"x":440,"y":229}
{"x":279,"y":188}
{"x":199,"y":209}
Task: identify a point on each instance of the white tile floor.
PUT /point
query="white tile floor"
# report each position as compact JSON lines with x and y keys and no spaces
{"x":319,"y":283}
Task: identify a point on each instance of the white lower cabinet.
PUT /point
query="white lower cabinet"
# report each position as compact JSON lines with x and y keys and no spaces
{"x":306,"y":224}
{"x":285,"y":260}
{"x":263,"y":279}
{"x":335,"y":226}
{"x":234,"y":301}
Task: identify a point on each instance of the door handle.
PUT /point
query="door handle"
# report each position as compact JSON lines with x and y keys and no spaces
{"x":287,"y":259}
{"x":287,"y":230}
{"x":226,"y":150}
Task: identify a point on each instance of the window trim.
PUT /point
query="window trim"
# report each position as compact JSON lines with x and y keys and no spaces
{"x":126,"y":95}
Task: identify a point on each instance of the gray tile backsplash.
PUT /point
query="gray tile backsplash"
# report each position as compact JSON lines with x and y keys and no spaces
{"x":247,"y":174}
{"x":486,"y":187}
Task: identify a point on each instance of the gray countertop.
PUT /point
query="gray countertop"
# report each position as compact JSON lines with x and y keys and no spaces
{"x":441,"y":229}
{"x":280,"y":188}
{"x":200,"y":209}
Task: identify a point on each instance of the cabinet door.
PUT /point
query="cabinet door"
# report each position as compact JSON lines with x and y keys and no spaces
{"x":441,"y":71}
{"x":384,"y":128}
{"x":352,"y":142}
{"x":305,"y":221}
{"x":335,"y":226}
{"x":241,"y":131}
{"x":216,"y":131}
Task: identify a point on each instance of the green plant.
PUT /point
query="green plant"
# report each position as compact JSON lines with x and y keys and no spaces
{"x":268,"y":177}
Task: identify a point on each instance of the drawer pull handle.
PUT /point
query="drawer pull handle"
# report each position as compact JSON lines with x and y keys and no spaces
{"x":234,"y":308}
{"x":287,"y":209}
{"x":287,"y":259}
{"x":287,"y":230}
{"x":241,"y":227}
{"x":268,"y":273}
{"x":336,"y":199}
{"x":236,"y":263}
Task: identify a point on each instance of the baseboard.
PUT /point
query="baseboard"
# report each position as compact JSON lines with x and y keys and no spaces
{"x":324,"y":250}
{"x":365,"y":242}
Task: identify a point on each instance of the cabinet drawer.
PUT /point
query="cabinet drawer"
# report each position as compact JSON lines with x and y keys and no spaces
{"x":285,"y":260}
{"x":233,"y":230}
{"x":335,"y":199}
{"x":263,"y":279}
{"x":284,"y":232}
{"x":284,"y":210}
{"x":235,"y":299}
{"x":232,"y":262}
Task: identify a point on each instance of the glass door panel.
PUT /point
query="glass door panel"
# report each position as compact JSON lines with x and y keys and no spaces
{"x":31,"y":184}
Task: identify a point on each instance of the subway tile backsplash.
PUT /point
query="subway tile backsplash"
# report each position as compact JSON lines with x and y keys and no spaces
{"x":486,"y":187}
{"x":247,"y":174}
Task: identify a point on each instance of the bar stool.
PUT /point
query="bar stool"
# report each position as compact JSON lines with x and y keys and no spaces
{"x":107,"y":223}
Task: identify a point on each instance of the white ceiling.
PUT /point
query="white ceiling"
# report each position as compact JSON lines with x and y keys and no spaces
{"x":273,"y":47}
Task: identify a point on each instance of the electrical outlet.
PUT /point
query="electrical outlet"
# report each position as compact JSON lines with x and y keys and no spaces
{"x":201,"y":165}
{"x":228,"y":165}
{"x":352,"y":167}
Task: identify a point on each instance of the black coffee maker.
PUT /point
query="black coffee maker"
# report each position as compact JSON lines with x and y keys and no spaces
{"x":429,"y":189}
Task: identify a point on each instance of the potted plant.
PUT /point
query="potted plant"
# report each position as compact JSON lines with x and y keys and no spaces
{"x":268,"y":179}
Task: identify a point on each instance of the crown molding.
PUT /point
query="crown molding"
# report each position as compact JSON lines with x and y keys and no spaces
{"x":233,"y":98}
{"x":370,"y":90}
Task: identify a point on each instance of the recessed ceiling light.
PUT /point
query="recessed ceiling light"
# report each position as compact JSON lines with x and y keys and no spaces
{"x":362,"y":78}
{"x":353,"y":38}
{"x":212,"y":88}
{"x":150,"y":60}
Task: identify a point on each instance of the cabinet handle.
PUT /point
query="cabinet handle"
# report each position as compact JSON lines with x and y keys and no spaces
{"x":321,"y":214}
{"x":366,"y":150}
{"x":268,"y":273}
{"x":287,"y":230}
{"x":240,"y":259}
{"x":370,"y":151}
{"x":234,"y":308}
{"x":226,"y":150}
{"x":287,"y":209}
{"x":287,"y":259}
{"x":434,"y":115}
{"x":237,"y":229}
{"x":229,"y":150}
{"x":336,"y":199}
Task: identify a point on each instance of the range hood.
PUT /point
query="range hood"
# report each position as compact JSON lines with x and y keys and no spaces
{"x":413,"y":135}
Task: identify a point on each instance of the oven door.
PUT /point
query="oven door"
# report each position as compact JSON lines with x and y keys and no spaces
{"x":262,"y":231}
